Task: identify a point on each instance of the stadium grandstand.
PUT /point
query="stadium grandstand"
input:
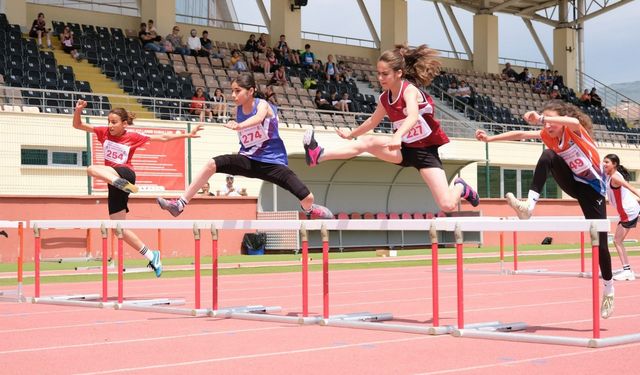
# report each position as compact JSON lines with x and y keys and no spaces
{"x":43,"y":156}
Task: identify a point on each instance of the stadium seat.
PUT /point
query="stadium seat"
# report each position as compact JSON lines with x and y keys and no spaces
{"x":418,"y":215}
{"x":342,"y":216}
{"x":406,"y":216}
{"x":381,"y":216}
{"x":356,"y":216}
{"x":368,"y":216}
{"x":394,"y":216}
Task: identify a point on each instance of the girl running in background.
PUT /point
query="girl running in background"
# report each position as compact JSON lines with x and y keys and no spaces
{"x":621,"y":196}
{"x":262,"y":154}
{"x":417,"y":134}
{"x":573,"y":160}
{"x":119,"y":146}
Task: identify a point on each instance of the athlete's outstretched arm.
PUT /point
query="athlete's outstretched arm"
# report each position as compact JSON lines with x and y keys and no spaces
{"x":77,"y":121}
{"x":173,"y":137}
{"x":515,"y":135}
{"x":366,"y":126}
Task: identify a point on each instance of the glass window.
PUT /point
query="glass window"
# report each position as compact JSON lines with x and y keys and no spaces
{"x":526,"y":177}
{"x":510,"y":181}
{"x":34,"y":157}
{"x":493,"y":189}
{"x":64,"y":158}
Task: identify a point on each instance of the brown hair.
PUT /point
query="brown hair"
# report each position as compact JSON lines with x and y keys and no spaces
{"x":418,"y":65}
{"x":124,"y":115}
{"x":566,"y":109}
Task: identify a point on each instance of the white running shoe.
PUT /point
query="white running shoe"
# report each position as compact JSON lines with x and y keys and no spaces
{"x":521,"y":208}
{"x":625,"y":275}
{"x":606,"y":309}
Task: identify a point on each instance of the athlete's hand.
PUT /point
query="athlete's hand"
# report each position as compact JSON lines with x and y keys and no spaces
{"x":395,"y":143}
{"x":80,"y":105}
{"x":532,"y":117}
{"x":233,"y":125}
{"x":343,"y":133}
{"x":194,"y":132}
{"x":481,"y":135}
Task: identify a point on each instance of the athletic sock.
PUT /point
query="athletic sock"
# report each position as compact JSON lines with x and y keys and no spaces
{"x":608,"y":286}
{"x":532,"y":199}
{"x":626,"y":267}
{"x":144,"y":250}
{"x":183,"y":201}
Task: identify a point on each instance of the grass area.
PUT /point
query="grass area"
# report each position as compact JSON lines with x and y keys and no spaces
{"x":239,"y":270}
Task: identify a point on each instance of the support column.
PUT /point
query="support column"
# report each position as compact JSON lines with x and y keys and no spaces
{"x":285,"y":22}
{"x":485,"y":43}
{"x":16,"y":11}
{"x":163,"y":14}
{"x":564,"y":55}
{"x":393,"y":24}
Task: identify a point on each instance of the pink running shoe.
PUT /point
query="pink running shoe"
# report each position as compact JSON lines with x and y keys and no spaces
{"x":312,"y":151}
{"x":174,"y":206}
{"x":468,"y":193}
{"x":319,"y":212}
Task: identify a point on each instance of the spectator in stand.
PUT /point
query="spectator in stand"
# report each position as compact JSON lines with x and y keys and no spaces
{"x":585,"y":98}
{"x":39,"y":29}
{"x":331,"y":69}
{"x":525,"y":76}
{"x":151,"y":28}
{"x":322,"y":103}
{"x":555,"y":93}
{"x":219,"y":106}
{"x":237,"y":61}
{"x":307,"y":58}
{"x":508,"y":74}
{"x":549,"y":82}
{"x":66,"y":38}
{"x":453,"y":89}
{"x":252,"y":44}
{"x":596,"y":100}
{"x":198,"y":106}
{"x":228,"y":190}
{"x":558,"y":80}
{"x":149,"y":42}
{"x":343,"y":103}
{"x":205,"y":190}
{"x":270,"y":62}
{"x":175,"y":39}
{"x":281,"y":49}
{"x":464,"y":93}
{"x":195,"y":46}
{"x":345,"y":70}
{"x":262,"y":43}
{"x":207,"y":44}
{"x":538,"y":87}
{"x":279,"y":77}
{"x":270,"y":96}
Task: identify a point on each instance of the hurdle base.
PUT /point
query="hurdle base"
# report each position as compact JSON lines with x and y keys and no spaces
{"x":261,"y":313}
{"x":70,"y":260}
{"x":13,"y":295}
{"x":161,"y":305}
{"x":86,"y":300}
{"x":545,"y":272}
{"x":478,"y":272}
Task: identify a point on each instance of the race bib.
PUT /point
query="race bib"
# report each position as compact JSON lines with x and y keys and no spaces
{"x":252,"y":136}
{"x":419,"y":131}
{"x":116,"y":152}
{"x":576,"y":159}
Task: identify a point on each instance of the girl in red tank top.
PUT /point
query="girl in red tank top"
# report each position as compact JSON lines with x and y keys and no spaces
{"x":417,"y":134}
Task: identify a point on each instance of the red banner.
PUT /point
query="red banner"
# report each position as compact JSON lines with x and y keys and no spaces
{"x":159,"y":166}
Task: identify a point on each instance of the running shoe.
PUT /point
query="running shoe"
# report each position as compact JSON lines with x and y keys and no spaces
{"x":319,"y":212}
{"x":125,"y":185}
{"x":174,"y":206}
{"x":606,"y":309}
{"x":521,"y":208}
{"x":312,"y":151}
{"x":625,"y":275}
{"x":156,"y":264}
{"x":468,"y":193}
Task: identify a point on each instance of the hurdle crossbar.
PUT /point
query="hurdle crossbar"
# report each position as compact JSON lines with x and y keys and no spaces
{"x":15,"y":295}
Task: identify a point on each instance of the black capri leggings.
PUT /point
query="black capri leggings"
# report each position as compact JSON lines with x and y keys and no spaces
{"x":593,"y":204}
{"x":278,"y":174}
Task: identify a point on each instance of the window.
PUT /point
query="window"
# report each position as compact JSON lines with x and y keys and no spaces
{"x":58,"y":158}
{"x":493,"y":189}
{"x":516,"y":181}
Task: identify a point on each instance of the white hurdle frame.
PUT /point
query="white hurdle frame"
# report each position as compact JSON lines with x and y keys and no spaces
{"x":457,"y":225}
{"x":17,"y":294}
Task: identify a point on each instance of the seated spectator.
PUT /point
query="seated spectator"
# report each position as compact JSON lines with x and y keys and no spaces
{"x":270,"y":63}
{"x":307,"y":58}
{"x":549,"y":76}
{"x":555,"y":93}
{"x":175,"y":39}
{"x":66,"y":38}
{"x":39,"y":29}
{"x":508,"y":74}
{"x":151,"y":28}
{"x":252,"y":44}
{"x":331,"y":69}
{"x":596,"y":100}
{"x":525,"y":76}
{"x":346,"y":73}
{"x":237,"y":61}
{"x":464,"y":93}
{"x":219,"y":103}
{"x":279,"y":77}
{"x":198,"y":106}
{"x":284,"y":54}
{"x":453,"y":89}
{"x":207,"y":44}
{"x":539,"y":87}
{"x":149,"y":42}
{"x":204,"y":191}
{"x":322,"y":103}
{"x":195,"y":46}
{"x":558,"y":80}
{"x":343,"y":103}
{"x":585,"y":97}
{"x":270,"y":96}
{"x":262,"y":43}
{"x":228,"y":190}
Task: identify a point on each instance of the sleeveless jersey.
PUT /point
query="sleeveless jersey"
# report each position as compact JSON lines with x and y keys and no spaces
{"x":623,"y":201}
{"x":118,"y":151}
{"x":580,"y":154}
{"x":427,"y":131}
{"x":261,"y":142}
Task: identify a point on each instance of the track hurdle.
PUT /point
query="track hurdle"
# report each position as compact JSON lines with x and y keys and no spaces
{"x":15,"y":295}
